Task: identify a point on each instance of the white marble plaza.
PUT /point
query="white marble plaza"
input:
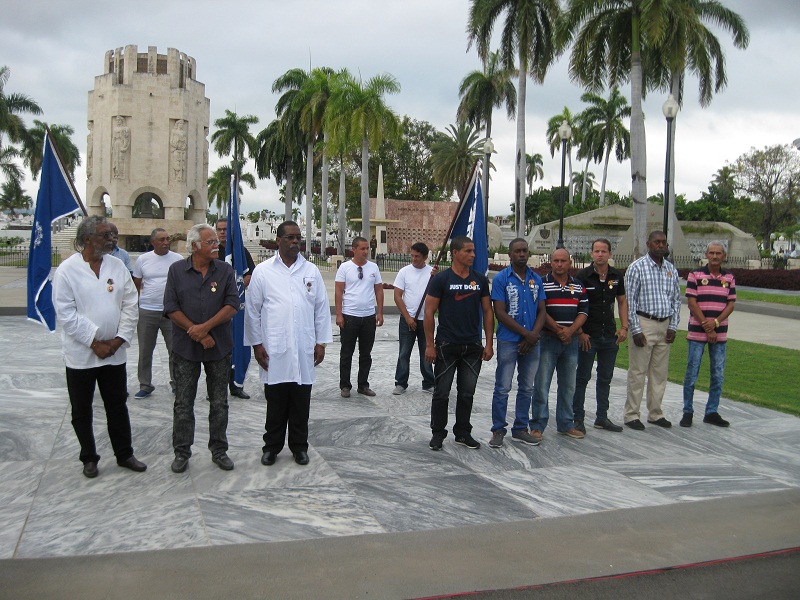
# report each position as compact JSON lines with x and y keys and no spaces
{"x":371,"y":470}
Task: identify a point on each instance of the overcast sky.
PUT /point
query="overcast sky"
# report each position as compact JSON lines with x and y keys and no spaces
{"x":55,"y":49}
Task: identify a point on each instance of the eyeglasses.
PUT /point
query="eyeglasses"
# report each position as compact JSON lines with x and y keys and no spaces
{"x":108,"y":235}
{"x":361,"y":272}
{"x":293,"y":237}
{"x":211,"y":242}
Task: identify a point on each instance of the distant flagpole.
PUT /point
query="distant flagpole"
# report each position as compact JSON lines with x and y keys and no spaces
{"x":57,"y":198}
{"x":234,"y":255}
{"x":469,"y":200}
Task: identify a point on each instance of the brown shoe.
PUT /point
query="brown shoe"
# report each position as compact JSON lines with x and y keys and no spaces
{"x":536,"y":434}
{"x":573,"y":433}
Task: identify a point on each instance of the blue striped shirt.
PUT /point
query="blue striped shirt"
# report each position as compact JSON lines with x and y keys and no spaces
{"x":652,"y":289}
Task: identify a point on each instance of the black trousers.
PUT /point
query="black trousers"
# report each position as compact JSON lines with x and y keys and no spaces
{"x":288,"y":405}
{"x":112,"y":381}
{"x":362,"y":330}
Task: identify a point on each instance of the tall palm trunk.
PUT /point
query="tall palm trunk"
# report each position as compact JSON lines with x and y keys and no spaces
{"x":287,"y":207}
{"x":520,"y":170}
{"x":309,"y":195}
{"x":585,"y":175}
{"x":605,"y":176}
{"x":638,"y":149}
{"x":342,"y":207}
{"x":675,"y":90}
{"x":365,"y":187}
{"x":324,"y":212}
{"x":485,"y":178}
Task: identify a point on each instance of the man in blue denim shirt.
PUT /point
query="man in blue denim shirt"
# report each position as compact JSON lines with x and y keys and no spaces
{"x":519,"y":305}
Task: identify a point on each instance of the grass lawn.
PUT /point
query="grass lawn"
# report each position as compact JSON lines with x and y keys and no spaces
{"x":754,"y":373}
{"x":789,"y":300}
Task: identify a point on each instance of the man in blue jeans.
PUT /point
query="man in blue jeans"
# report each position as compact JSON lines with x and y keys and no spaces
{"x":410,"y":286}
{"x":600,"y":337}
{"x":519,"y":305}
{"x":461,"y":295}
{"x":567,"y":309}
{"x":711,"y":291}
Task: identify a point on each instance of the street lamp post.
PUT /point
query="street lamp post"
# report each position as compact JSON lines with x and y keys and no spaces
{"x":564,"y":132}
{"x":670,"y":110}
{"x":488,"y":149}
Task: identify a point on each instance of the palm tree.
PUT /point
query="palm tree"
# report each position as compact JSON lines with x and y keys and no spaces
{"x":604,"y":130}
{"x":8,"y":165}
{"x":219,"y":185}
{"x":609,"y":37}
{"x":690,"y":46}
{"x":233,"y":137}
{"x":527,"y":36}
{"x":554,"y":140}
{"x":278,"y":155}
{"x":454,"y":155}
{"x":369,"y":118}
{"x":11,"y":106}
{"x":585,"y":180}
{"x":33,"y":150}
{"x":535,"y":170}
{"x":13,"y":197}
{"x":481,"y":92}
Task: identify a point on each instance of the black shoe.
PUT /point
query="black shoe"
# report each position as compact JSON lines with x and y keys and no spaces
{"x":686,"y":420}
{"x":662,"y":422}
{"x":580,"y":427}
{"x":635,"y":424}
{"x":301,"y":458}
{"x":179,"y":464}
{"x":240,"y":393}
{"x":90,"y":469}
{"x":133,"y":464}
{"x":223,"y":462}
{"x":466,"y":440}
{"x":436,"y":443}
{"x":607,"y":425}
{"x":269,"y":458}
{"x":715,"y":419}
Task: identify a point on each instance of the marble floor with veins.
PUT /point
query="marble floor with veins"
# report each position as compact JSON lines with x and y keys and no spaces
{"x":371,"y":470}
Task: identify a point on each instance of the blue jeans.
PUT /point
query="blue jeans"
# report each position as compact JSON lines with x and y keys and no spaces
{"x":716,"y":355}
{"x":605,"y":348}
{"x":464,"y":359}
{"x":407,"y":339}
{"x":563,"y":358}
{"x":508,"y":357}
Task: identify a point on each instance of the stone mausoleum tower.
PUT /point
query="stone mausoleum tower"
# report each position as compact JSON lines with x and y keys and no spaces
{"x":147,"y":148}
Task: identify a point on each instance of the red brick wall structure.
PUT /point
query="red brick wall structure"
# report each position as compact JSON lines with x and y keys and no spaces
{"x":419,"y":221}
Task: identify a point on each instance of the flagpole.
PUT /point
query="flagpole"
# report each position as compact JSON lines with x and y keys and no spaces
{"x":61,"y":164}
{"x":462,"y":198}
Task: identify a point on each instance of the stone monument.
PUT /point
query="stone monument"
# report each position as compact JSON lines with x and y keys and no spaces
{"x":147,"y":148}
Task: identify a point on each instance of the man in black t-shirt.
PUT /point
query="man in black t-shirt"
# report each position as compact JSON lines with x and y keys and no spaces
{"x":461,"y":295}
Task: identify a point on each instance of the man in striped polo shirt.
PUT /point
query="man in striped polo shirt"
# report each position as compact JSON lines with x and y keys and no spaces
{"x":567,"y":309}
{"x":711,"y":291}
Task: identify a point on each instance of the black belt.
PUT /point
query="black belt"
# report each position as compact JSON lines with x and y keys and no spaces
{"x":651,"y":317}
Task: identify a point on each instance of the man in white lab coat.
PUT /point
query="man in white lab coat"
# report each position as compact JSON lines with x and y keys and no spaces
{"x":288,"y":324}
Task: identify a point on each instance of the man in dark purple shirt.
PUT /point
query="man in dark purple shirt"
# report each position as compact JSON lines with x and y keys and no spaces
{"x":201,"y":298}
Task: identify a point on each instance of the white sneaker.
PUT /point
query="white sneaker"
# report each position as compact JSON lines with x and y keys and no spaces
{"x":398,"y":390}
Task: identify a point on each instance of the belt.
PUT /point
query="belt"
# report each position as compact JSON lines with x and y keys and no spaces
{"x":651,"y":317}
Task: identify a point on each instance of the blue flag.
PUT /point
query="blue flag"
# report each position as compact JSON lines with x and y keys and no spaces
{"x":234,"y":255}
{"x":470,"y":221}
{"x":56,"y":199}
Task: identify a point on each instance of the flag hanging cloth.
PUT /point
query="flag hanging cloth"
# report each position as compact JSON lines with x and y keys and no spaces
{"x":470,"y":221}
{"x":234,"y":255}
{"x":57,"y":198}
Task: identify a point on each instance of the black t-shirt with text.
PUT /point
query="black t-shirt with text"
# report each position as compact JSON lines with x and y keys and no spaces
{"x":460,"y":309}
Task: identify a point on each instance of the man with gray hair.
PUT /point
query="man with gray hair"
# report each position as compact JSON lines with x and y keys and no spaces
{"x":711,"y":291}
{"x":150,"y":278}
{"x":95,"y":302}
{"x":201,"y":298}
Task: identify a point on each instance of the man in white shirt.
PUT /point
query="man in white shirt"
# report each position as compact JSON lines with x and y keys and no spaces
{"x":358,"y":288}
{"x":288,"y":324}
{"x":95,"y":302}
{"x":409,"y":290}
{"x":150,"y":278}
